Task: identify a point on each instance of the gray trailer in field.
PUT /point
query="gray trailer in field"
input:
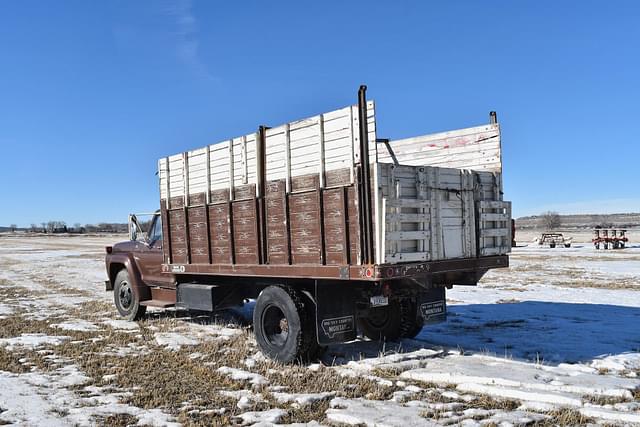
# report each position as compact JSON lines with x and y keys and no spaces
{"x":331,"y":229}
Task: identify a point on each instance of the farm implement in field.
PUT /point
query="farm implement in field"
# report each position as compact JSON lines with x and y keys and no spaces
{"x":609,"y":238}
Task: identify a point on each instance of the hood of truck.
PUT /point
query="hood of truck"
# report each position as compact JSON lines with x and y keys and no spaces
{"x":126,"y":246}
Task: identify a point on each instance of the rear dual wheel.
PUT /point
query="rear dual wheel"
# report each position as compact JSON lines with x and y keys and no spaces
{"x":398,"y":319}
{"x":284,"y":325}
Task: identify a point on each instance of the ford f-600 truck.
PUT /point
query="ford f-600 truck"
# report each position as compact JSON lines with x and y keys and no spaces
{"x":329,"y":228}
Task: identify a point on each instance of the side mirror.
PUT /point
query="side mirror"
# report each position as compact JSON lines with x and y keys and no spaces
{"x":133,"y":227}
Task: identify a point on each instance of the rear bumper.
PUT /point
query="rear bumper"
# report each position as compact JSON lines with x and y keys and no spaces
{"x":398,"y":271}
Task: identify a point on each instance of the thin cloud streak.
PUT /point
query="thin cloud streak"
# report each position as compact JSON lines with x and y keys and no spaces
{"x":185,"y":34}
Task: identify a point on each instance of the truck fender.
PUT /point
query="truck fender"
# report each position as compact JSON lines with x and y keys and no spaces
{"x":140,"y":289}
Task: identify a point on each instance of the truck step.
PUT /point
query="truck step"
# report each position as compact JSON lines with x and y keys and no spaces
{"x":157,"y":303}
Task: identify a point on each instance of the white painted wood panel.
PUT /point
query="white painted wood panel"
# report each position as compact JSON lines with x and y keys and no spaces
{"x":476,"y":148}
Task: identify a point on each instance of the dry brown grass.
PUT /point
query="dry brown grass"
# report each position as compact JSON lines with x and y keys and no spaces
{"x":16,"y":325}
{"x":117,"y":420}
{"x":565,"y":417}
{"x":488,"y":402}
{"x":481,"y":402}
{"x":10,"y":362}
{"x":603,"y":400}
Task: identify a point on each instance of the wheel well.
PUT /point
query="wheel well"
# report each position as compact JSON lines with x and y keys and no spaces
{"x":114,"y":269}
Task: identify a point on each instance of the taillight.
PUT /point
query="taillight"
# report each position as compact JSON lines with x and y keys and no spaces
{"x":109,"y":249}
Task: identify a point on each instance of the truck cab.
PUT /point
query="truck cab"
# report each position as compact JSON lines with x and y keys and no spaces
{"x":134,"y":268}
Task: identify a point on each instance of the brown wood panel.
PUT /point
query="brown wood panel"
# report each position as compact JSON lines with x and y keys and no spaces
{"x":338,"y":177}
{"x":304,"y":217}
{"x":178,"y":236}
{"x":176,"y":202}
{"x":219,"y":196}
{"x":335,"y":226}
{"x":354,"y":225}
{"x":244,"y":192}
{"x":305,"y":182}
{"x":277,"y":238}
{"x":245,"y":232}
{"x":198,"y":238}
{"x":196,"y":199}
{"x":219,"y":234}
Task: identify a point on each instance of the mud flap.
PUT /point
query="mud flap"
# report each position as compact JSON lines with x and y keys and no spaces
{"x":432,"y":306}
{"x":335,"y":313}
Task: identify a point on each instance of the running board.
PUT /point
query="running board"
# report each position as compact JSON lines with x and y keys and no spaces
{"x":157,"y":303}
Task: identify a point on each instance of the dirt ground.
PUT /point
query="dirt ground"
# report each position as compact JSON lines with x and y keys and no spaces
{"x":552,"y":340}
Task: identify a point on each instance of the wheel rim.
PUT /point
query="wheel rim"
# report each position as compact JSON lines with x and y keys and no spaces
{"x":378,"y":317}
{"x":275,"y":326}
{"x":125,"y":296}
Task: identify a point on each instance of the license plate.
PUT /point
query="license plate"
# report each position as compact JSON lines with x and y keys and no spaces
{"x":379,"y":300}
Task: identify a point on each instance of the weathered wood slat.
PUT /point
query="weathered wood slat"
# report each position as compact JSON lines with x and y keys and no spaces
{"x":408,"y":203}
{"x":494,"y":217}
{"x":476,"y":148}
{"x":493,"y":251}
{"x":494,"y":232}
{"x":493,"y":204}
{"x":407,"y":257}
{"x":408,"y":217}
{"x":408,"y":235}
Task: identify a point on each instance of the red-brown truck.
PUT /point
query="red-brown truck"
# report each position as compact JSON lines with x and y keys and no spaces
{"x":330,"y":229}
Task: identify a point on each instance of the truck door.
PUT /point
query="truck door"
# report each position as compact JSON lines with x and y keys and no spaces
{"x":149,"y":257}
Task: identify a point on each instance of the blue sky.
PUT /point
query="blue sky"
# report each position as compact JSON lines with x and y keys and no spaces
{"x":93,"y":93}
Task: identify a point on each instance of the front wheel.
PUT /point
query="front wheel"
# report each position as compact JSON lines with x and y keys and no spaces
{"x":283,"y":325}
{"x":125,"y":298}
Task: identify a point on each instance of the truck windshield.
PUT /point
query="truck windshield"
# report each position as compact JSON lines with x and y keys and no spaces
{"x":155,"y":233}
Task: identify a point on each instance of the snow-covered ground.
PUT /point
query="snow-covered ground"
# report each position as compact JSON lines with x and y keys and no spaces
{"x":554,"y":339}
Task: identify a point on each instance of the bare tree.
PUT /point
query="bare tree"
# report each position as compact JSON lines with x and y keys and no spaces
{"x":13,"y":228}
{"x":34,"y":228}
{"x":550,"y":220}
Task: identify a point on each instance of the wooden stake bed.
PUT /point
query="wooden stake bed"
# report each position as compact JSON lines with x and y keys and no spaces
{"x":321,"y":198}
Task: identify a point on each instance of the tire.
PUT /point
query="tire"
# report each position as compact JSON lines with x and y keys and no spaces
{"x":283,"y":325}
{"x":410,"y":324}
{"x":552,"y":245}
{"x":383,"y":323}
{"x":567,"y":245}
{"x":125,"y":299}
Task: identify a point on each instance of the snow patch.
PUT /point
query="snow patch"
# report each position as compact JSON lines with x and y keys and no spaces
{"x":302,"y":399}
{"x":375,"y":413}
{"x":174,"y":340}
{"x":76,"y":325}
{"x":272,"y":416}
{"x":122,"y":324}
{"x":31,"y":341}
{"x":240,"y":375}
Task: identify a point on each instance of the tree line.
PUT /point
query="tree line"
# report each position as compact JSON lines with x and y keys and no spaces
{"x":77,"y":228}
